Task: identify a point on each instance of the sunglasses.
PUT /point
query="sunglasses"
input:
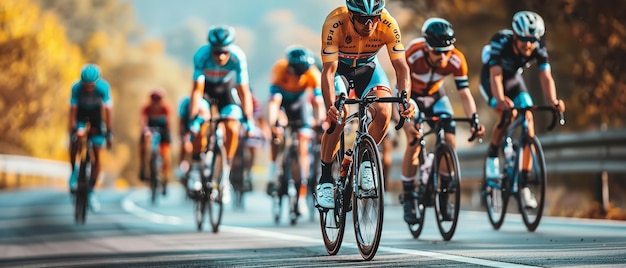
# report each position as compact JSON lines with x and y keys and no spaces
{"x":440,"y":52}
{"x":527,"y":39}
{"x":364,"y":19}
{"x":218,"y":52}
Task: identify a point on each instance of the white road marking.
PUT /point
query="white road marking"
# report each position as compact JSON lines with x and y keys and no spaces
{"x":129,"y":206}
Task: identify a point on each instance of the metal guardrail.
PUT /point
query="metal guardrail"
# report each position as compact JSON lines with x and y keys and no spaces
{"x":588,"y":152}
{"x":16,"y":170}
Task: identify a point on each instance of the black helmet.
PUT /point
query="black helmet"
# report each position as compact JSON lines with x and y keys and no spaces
{"x":439,"y":34}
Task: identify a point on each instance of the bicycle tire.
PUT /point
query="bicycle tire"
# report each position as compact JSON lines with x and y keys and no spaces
{"x":312,"y":181}
{"x":82,"y":191}
{"x":495,"y":195}
{"x":237,"y":174}
{"x":446,"y":153}
{"x":199,"y":204}
{"x":293,"y":160}
{"x":215,"y":194}
{"x":154,"y":179}
{"x":370,"y":205}
{"x":537,"y":182}
{"x":333,"y":221}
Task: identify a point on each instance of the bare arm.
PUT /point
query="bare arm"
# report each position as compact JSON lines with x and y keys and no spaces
{"x":469,"y":105}
{"x":547,"y":84}
{"x":403,"y":78}
{"x":72,"y":122}
{"x":497,"y":89}
{"x":328,"y":83}
{"x":197,"y":93}
{"x":273,"y":107}
{"x":246,"y":101}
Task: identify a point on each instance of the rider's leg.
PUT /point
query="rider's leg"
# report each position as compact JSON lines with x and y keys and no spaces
{"x":304,"y":141}
{"x":410,"y":161}
{"x":73,"y":151}
{"x":381,"y":114}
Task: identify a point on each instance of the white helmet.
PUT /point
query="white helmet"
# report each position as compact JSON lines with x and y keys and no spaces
{"x":528,"y":24}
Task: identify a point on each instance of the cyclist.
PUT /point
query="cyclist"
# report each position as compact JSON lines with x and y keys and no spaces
{"x":90,"y":96}
{"x":219,"y":68}
{"x":191,"y":140}
{"x":502,"y":84}
{"x":431,"y":58}
{"x":352,"y":35}
{"x":156,"y":114}
{"x":295,"y":86}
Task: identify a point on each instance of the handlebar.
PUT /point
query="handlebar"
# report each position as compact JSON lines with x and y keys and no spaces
{"x":556,"y":114}
{"x":343,"y":100}
{"x":473,"y":121}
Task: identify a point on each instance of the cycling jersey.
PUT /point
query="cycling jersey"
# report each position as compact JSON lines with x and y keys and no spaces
{"x":341,"y":42}
{"x":183,"y":111}
{"x":500,"y":52}
{"x":89,"y":108}
{"x":428,"y":80}
{"x":158,"y":117}
{"x":220,"y":81}
{"x":296,"y":92}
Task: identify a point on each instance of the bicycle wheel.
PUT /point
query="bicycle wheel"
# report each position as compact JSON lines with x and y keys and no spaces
{"x":420,"y":211}
{"x":495,"y":194}
{"x":448,"y":190}
{"x":315,"y":172}
{"x":154,"y":179}
{"x":215,"y":205}
{"x":368,"y":203}
{"x":82,"y":194}
{"x":293,"y":185}
{"x":199,"y":206}
{"x":333,"y":221}
{"x":537,"y":182}
{"x":237,"y":174}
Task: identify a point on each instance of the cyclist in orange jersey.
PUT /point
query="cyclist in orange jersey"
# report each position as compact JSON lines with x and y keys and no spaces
{"x":431,"y":58}
{"x":352,"y":35}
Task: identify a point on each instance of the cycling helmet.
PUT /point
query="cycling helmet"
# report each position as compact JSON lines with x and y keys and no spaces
{"x":300,"y":60}
{"x":439,"y":34}
{"x":366,"y":7}
{"x":156,"y":94}
{"x":221,"y":36}
{"x":90,"y":73}
{"x":528,"y":24}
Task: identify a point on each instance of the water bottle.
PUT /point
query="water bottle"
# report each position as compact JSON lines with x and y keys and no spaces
{"x":345,"y":164}
{"x":509,"y":153}
{"x":428,"y":162}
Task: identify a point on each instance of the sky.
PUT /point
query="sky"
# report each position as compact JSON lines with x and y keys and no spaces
{"x":265,"y":28}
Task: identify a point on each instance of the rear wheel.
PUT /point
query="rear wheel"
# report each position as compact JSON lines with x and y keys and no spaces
{"x":495,"y":194}
{"x":199,"y":206}
{"x":420,"y":211}
{"x":368,"y":203}
{"x":333,"y":221}
{"x":447,"y":191}
{"x":293,"y":191}
{"x":82,"y":193}
{"x":536,"y":182}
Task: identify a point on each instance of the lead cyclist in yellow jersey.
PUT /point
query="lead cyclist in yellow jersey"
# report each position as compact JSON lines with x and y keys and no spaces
{"x":352,"y":35}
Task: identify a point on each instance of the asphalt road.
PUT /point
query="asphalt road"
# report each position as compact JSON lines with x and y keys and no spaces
{"x":37,"y":230}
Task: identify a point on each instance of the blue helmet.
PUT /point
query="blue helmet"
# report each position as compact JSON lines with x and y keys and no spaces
{"x":90,"y":73}
{"x":366,"y":7}
{"x":528,"y":24}
{"x":221,"y":36}
{"x":299,"y":59}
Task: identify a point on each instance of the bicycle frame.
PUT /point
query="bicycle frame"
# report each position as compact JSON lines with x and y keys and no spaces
{"x":86,"y":154}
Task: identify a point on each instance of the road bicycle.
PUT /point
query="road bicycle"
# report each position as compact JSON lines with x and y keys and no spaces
{"x":155,"y":164}
{"x":208,"y":171}
{"x":443,"y":192}
{"x":85,"y":155}
{"x":368,"y":204}
{"x":518,"y":151}
{"x":289,"y":178}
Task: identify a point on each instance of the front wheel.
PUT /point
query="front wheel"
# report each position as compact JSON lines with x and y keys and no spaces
{"x":154,"y":178}
{"x":536,"y":182}
{"x":368,"y":197}
{"x":495,"y":193}
{"x":333,"y":221}
{"x":216,"y":191}
{"x":447,"y":191}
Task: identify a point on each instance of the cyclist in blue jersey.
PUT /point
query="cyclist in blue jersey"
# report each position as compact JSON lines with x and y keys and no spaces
{"x":189,"y":132}
{"x":91,"y":95}
{"x":502,"y":84}
{"x":221,"y":76}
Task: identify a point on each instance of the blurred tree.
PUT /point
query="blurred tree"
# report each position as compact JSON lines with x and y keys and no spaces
{"x":37,"y":65}
{"x":584,"y":38}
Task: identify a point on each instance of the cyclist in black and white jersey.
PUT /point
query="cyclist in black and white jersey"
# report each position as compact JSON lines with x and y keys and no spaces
{"x":501,"y":82}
